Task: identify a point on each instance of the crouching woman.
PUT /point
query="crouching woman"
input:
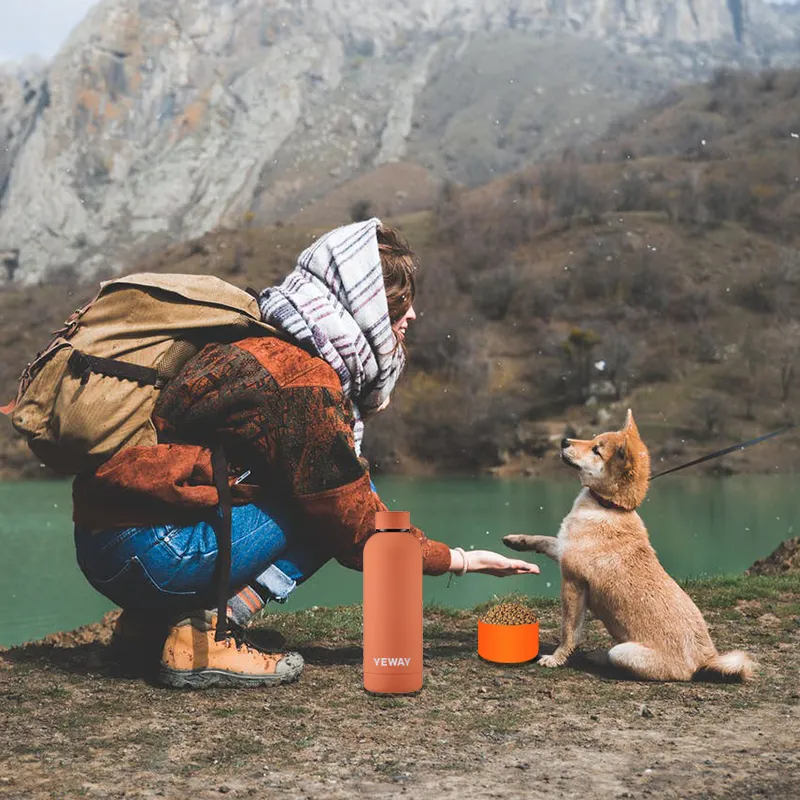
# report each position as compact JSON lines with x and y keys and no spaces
{"x":289,"y":412}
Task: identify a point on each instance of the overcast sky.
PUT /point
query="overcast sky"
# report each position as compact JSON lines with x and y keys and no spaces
{"x":37,"y":27}
{"x":40,"y":27}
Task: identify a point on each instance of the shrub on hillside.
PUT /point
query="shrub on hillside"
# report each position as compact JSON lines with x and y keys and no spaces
{"x":382,"y":445}
{"x":569,"y":195}
{"x":772,"y":288}
{"x":768,"y":80}
{"x":683,"y":201}
{"x":535,"y":298}
{"x":615,"y":354}
{"x":694,"y":304}
{"x":744,"y":375}
{"x":732,"y":200}
{"x":711,"y":413}
{"x":643,"y":279}
{"x":787,"y":350}
{"x":460,"y":424}
{"x":706,"y":347}
{"x":579,"y":355}
{"x":448,"y":214}
{"x":756,"y":294}
{"x":596,"y":276}
{"x":442,"y":342}
{"x":481,"y":239}
{"x":361,"y":210}
{"x":726,"y":95}
{"x":522,"y":213}
{"x":651,"y":281}
{"x":652,"y":366}
{"x":633,"y":193}
{"x":494,"y":289}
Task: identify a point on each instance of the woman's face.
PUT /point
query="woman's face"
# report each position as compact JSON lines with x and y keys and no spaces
{"x":401,"y":326}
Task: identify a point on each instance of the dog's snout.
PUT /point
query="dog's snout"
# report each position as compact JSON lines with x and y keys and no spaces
{"x":564,"y":444}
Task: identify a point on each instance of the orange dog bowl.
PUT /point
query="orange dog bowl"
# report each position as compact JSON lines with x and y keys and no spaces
{"x":508,"y":644}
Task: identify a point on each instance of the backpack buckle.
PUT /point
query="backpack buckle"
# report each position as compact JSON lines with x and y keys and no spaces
{"x":80,"y":366}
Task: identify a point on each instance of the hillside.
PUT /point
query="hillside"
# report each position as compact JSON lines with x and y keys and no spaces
{"x":661,"y":274}
{"x":159,"y":121}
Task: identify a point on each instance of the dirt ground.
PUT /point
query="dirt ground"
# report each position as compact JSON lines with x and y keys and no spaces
{"x":785,"y":558}
{"x":77,"y":724}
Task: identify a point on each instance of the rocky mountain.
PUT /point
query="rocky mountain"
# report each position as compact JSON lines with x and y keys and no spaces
{"x":160,"y":120}
{"x":23,"y":98}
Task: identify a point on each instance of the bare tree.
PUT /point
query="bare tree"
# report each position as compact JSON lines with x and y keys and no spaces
{"x":513,"y":14}
{"x":449,"y":214}
{"x":361,"y":210}
{"x":616,"y":352}
{"x":684,"y":203}
{"x":788,"y":352}
{"x":10,"y":260}
{"x":579,"y":349}
{"x":710,"y":412}
{"x":753,"y":355}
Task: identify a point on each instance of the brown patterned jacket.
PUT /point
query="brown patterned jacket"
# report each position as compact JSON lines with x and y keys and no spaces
{"x":280,"y":413}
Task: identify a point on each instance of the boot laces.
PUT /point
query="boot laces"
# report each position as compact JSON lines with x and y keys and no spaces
{"x":241,"y":640}
{"x":239,"y":636}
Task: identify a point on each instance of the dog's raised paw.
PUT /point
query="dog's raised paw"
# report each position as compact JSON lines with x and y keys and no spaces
{"x":550,"y":661}
{"x":516,"y":541}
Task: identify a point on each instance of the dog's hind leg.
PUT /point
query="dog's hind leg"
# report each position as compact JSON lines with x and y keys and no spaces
{"x":649,"y":664}
{"x":574,"y":598}
{"x":546,"y":545}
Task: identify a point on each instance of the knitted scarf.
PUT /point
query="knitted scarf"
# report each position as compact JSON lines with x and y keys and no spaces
{"x":335,"y":302}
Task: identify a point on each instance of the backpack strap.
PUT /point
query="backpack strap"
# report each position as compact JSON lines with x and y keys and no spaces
{"x":222,"y":531}
{"x":83,"y":365}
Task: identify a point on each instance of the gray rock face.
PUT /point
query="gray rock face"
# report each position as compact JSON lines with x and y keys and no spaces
{"x":23,"y":97}
{"x":161,"y":120}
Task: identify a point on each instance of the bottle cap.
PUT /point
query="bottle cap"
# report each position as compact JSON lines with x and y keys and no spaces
{"x":392,"y":520}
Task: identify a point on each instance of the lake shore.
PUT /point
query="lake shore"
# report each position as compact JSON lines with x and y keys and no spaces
{"x":76,"y":723}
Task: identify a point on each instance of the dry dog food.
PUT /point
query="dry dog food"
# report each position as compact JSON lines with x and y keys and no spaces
{"x":509,"y":614}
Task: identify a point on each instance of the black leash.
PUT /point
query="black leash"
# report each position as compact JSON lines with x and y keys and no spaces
{"x":727,"y":450}
{"x":222,"y":530}
{"x":708,"y":457}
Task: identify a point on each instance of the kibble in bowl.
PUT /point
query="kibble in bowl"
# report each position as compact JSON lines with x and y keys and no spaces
{"x":509,"y":614}
{"x":508,"y":633}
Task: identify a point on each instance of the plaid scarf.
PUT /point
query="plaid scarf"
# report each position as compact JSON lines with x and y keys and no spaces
{"x":335,"y":302}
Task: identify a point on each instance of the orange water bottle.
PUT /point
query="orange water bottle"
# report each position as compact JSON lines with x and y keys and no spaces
{"x":392,"y":606}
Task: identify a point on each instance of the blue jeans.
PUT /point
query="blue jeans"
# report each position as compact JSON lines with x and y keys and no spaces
{"x":171,"y":568}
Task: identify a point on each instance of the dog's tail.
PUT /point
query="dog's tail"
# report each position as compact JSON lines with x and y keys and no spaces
{"x":734,"y":666}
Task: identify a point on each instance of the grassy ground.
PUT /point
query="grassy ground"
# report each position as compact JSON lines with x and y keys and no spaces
{"x":77,"y":724}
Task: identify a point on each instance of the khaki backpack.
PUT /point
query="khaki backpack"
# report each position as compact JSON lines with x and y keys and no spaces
{"x":91,"y":391}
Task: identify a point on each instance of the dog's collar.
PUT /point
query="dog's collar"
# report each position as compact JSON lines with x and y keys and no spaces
{"x":603,"y":502}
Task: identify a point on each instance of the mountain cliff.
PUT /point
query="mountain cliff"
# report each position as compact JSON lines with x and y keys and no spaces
{"x":160,"y":121}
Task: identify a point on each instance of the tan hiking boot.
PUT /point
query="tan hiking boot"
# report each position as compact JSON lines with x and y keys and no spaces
{"x":193,"y":659}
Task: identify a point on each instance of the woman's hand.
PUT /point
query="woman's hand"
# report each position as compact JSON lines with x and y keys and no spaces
{"x":490,"y":563}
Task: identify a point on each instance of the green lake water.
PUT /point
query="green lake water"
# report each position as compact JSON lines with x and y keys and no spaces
{"x":698,"y":526}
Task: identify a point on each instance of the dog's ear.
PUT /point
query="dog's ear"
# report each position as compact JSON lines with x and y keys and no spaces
{"x":625,"y":454}
{"x":630,"y":425}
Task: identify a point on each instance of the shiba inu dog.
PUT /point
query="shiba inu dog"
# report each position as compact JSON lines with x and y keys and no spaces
{"x":608,"y":566}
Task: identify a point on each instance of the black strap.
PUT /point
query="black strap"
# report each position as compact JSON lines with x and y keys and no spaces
{"x":82,"y":365}
{"x":727,"y":450}
{"x":222,"y":531}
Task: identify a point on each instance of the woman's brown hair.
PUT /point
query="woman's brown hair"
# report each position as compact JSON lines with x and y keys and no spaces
{"x":399,"y":265}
